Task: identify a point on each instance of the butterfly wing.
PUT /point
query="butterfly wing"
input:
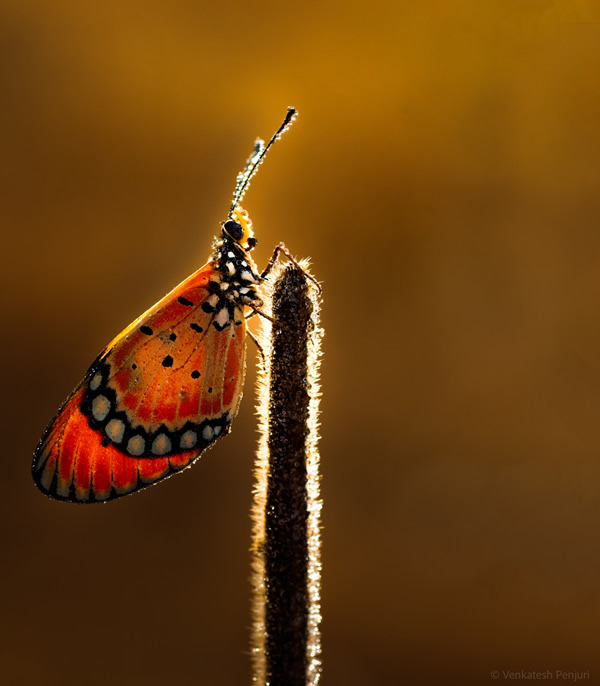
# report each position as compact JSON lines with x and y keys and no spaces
{"x":162,"y":391}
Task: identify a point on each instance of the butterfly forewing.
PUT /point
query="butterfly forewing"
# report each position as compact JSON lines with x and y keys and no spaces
{"x":163,"y":391}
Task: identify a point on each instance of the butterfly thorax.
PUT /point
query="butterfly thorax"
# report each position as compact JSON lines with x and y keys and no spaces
{"x":238,"y":272}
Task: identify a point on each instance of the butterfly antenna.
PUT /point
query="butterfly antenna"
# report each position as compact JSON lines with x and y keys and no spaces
{"x":256,"y":158}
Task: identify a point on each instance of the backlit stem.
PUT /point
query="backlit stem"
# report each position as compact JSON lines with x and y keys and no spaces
{"x":287,"y":506}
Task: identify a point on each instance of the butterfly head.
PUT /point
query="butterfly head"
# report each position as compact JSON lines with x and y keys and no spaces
{"x":239,"y":227}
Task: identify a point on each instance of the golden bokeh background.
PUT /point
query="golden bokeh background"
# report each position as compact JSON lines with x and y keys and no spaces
{"x":443,"y":175}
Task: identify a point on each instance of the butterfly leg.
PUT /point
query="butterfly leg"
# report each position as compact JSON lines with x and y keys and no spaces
{"x":258,"y":345}
{"x":282,"y":249}
{"x":257,"y":311}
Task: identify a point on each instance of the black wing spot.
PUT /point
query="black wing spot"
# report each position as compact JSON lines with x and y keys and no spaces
{"x":238,"y":322}
{"x":197,"y":328}
{"x":195,"y":374}
{"x":207,"y":307}
{"x":147,"y":330}
{"x":184,"y":301}
{"x":168,"y":361}
{"x":134,"y":366}
{"x":104,"y":442}
{"x":210,"y":389}
{"x":173,"y":336}
{"x":214,"y":286}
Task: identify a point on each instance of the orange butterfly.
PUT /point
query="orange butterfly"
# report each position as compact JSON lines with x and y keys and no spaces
{"x":168,"y":386}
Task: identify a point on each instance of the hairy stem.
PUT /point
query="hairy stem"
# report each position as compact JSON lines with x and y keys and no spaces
{"x":287,"y":505}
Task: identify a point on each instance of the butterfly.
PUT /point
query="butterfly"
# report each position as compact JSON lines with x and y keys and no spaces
{"x":169,"y":385}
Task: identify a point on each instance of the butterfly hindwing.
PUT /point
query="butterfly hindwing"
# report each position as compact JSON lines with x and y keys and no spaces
{"x":162,"y":391}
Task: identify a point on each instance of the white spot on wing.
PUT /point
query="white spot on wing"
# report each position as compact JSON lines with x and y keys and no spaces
{"x":222,"y":317}
{"x":188,"y":439}
{"x":207,"y":433}
{"x":115,"y":430}
{"x":96,"y":381}
{"x":135,"y":445}
{"x":161,"y":444}
{"x":100,"y":407}
{"x":247,"y":276}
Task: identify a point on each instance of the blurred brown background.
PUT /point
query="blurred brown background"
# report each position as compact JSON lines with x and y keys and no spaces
{"x":443,"y":175}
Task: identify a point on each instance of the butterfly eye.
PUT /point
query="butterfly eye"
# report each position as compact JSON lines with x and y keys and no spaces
{"x":234,"y":229}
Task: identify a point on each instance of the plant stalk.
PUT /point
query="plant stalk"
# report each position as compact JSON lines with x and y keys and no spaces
{"x":287,"y":505}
